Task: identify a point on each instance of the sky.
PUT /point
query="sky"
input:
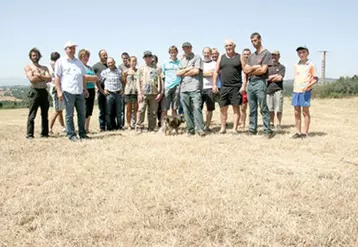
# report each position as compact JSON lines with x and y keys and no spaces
{"x":136,"y":26}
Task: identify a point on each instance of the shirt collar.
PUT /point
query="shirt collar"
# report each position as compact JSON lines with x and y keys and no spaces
{"x":306,"y":63}
{"x":74,"y":58}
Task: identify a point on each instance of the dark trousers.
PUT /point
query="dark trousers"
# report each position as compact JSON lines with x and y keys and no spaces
{"x":114,"y":110}
{"x":102,"y":111}
{"x":37,"y":98}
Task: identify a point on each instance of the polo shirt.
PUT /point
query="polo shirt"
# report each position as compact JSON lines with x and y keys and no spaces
{"x":71,"y":73}
{"x":170,"y":69}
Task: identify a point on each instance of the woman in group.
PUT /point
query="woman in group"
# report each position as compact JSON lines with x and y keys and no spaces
{"x":130,"y":78}
{"x":84,"y":55}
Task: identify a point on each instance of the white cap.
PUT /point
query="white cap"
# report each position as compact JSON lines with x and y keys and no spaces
{"x":69,"y":44}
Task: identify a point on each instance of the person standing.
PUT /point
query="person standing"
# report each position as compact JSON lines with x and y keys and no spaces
{"x":98,"y":68}
{"x":124,"y":67}
{"x":305,"y":77}
{"x":230,"y":68}
{"x":84,"y":56}
{"x":209,"y":67}
{"x":190,"y":91}
{"x":171,"y":96}
{"x":112,"y":80}
{"x":71,"y":87}
{"x":274,"y":91}
{"x":38,"y":76}
{"x":243,"y":109}
{"x":149,"y":92}
{"x":256,"y":67}
{"x":57,"y":104}
{"x":130,"y":78}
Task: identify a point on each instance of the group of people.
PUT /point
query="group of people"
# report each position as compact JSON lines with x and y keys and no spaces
{"x":127,"y":94}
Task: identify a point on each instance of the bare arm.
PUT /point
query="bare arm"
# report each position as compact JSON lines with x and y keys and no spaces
{"x":183,"y":71}
{"x":216,"y":73}
{"x":192,"y":72}
{"x":276,"y":78}
{"x":30,"y":75}
{"x":208,"y":73}
{"x":90,"y":78}
{"x":46,"y":76}
{"x":258,"y":69}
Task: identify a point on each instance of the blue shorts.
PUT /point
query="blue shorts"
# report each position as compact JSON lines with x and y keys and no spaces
{"x":301,"y":99}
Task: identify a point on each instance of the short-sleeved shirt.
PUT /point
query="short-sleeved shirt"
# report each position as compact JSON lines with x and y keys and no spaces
{"x":209,"y":66}
{"x":112,"y":79}
{"x":98,"y":68}
{"x":70,"y":72}
{"x":170,"y":69}
{"x":262,"y":58}
{"x":275,"y":69}
{"x":304,"y":74}
{"x":123,"y":68}
{"x":149,"y":79}
{"x":192,"y":83}
{"x":89,"y":71}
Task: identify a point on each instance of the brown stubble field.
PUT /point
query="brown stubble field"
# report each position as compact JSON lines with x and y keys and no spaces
{"x":119,"y":189}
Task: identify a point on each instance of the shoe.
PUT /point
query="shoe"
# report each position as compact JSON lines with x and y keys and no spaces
{"x":84,"y":137}
{"x":201,"y":133}
{"x":278,"y":128}
{"x":207,"y":129}
{"x":102,"y":130}
{"x":50,"y":132}
{"x":250,"y":133}
{"x":30,"y":137}
{"x":235,"y":132}
{"x":138,"y":131}
{"x":190,"y":134}
{"x":74,"y":139}
{"x":222,"y":131}
{"x":64,"y":130}
{"x":45,"y":136}
{"x":296,"y":136}
{"x":270,"y":135}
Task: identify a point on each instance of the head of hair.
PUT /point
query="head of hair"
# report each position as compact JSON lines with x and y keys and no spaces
{"x":55,"y":56}
{"x":82,"y":53}
{"x":207,"y":47}
{"x":247,"y":49}
{"x":173,"y":48}
{"x":100,"y":51}
{"x":215,"y":49}
{"x":133,"y":57}
{"x":125,"y":54}
{"x":230,"y":41}
{"x":111,"y":58}
{"x":36,"y":51}
{"x":255,"y":34}
{"x":155,"y":58}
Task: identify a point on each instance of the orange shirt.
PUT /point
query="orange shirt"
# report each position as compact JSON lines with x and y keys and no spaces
{"x":304,"y":74}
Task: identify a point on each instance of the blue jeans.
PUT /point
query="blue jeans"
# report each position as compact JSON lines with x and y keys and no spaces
{"x":73,"y":101}
{"x":114,"y":102}
{"x":180,"y":110}
{"x":192,"y":111}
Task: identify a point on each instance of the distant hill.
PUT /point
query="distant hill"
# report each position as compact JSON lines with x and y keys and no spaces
{"x":13,"y":81}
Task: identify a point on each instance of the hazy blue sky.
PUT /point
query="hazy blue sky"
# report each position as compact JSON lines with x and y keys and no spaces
{"x":155,"y":25}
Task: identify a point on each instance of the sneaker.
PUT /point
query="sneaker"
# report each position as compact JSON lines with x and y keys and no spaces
{"x":201,"y":133}
{"x":30,"y":137}
{"x":222,"y":131}
{"x":270,"y":135}
{"x":207,"y":129}
{"x":138,"y":131}
{"x":45,"y":136}
{"x":74,"y":139}
{"x":190,"y":134}
{"x":296,"y":136}
{"x":64,"y":130}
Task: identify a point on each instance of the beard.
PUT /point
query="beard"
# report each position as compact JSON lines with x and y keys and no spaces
{"x":35,"y":60}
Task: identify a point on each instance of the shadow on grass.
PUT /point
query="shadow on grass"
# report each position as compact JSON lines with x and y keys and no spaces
{"x":317,"y":133}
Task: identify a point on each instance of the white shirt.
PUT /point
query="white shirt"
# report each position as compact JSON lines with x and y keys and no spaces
{"x":71,"y":74}
{"x":208,"y":80}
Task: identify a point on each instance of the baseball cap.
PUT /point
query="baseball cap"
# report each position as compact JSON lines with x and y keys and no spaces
{"x":147,"y":54}
{"x":186,"y":44}
{"x":302,"y":48}
{"x":69,"y":44}
{"x":276,"y":52}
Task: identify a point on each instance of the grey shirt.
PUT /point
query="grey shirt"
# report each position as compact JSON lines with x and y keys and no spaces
{"x":123,"y":68}
{"x":261,"y":58}
{"x":192,"y":83}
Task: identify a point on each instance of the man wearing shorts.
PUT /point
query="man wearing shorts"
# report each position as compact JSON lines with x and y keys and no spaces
{"x":58,"y":105}
{"x":207,"y":95}
{"x":230,"y":68}
{"x":171,"y":85}
{"x":274,"y":91}
{"x":305,"y":78}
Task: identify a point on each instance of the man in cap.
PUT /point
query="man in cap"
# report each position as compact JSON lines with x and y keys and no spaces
{"x":71,"y":87}
{"x":190,"y":91}
{"x":149,"y":92}
{"x":274,"y":97}
{"x":38,"y":76}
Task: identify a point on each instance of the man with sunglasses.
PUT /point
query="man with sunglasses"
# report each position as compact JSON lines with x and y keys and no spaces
{"x":230,"y":68}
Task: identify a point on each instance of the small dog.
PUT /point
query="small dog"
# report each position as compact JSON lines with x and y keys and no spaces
{"x":173,"y":123}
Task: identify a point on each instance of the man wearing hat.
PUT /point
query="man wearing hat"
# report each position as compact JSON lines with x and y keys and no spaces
{"x":190,"y":91}
{"x":149,"y":88}
{"x":71,"y":87}
{"x":274,"y":97}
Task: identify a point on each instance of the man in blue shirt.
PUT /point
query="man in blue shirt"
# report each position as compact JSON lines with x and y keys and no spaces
{"x":171,"y":87}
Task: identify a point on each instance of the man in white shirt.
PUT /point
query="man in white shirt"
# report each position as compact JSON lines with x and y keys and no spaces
{"x":207,"y":93}
{"x":71,"y":87}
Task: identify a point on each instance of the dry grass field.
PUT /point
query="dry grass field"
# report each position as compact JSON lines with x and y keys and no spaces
{"x":119,"y":189}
